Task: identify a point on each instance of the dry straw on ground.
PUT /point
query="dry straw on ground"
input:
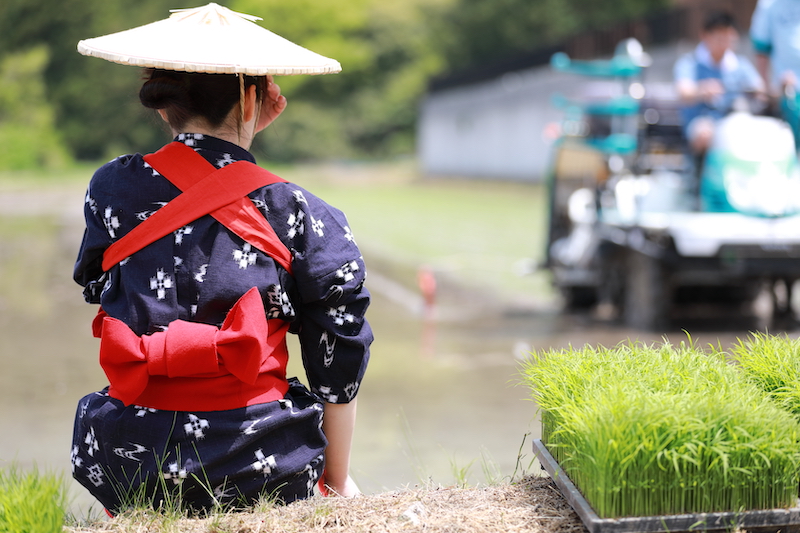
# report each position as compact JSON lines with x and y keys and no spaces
{"x":531,"y":505}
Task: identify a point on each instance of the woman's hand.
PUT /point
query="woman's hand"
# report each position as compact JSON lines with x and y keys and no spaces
{"x":273,"y":105}
{"x":346,"y":489}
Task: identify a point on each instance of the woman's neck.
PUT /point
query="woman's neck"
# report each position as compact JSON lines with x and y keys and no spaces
{"x":223,"y":133}
{"x":239,"y":127}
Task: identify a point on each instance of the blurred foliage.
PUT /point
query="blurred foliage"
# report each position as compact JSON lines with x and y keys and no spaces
{"x":95,"y":103}
{"x":513,"y":27}
{"x":370,"y":108}
{"x":28,"y":137}
{"x":388,"y":52}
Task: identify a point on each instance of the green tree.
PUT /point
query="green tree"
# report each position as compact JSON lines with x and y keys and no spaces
{"x":388,"y":52}
{"x":369,"y":109}
{"x":477,"y":32}
{"x":94,"y":101}
{"x":28,"y":138}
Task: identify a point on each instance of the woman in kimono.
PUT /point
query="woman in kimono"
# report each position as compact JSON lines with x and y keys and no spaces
{"x":202,"y":262}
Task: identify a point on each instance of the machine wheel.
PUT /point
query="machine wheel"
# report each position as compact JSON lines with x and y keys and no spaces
{"x":647,"y":297}
{"x":579,"y":298}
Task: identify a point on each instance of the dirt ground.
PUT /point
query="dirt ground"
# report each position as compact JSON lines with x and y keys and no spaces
{"x":532,"y":505}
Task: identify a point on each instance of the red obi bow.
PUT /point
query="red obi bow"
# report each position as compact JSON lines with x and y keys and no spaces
{"x":185,"y":349}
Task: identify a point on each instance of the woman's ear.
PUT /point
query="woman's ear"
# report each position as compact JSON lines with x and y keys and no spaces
{"x":250,"y":103}
{"x":163,"y":113}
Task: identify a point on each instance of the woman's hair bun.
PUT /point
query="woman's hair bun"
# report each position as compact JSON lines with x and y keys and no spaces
{"x":162,"y":89}
{"x":187,"y":96}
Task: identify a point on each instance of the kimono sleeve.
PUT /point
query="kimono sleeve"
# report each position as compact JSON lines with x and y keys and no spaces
{"x":88,"y":271}
{"x":329,"y":273}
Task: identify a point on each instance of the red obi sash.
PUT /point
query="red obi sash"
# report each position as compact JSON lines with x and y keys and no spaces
{"x":193,"y":366}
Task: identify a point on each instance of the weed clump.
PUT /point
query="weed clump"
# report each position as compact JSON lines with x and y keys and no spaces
{"x":645,"y":430}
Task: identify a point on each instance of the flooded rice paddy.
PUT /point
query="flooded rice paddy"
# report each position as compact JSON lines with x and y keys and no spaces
{"x":441,"y":401}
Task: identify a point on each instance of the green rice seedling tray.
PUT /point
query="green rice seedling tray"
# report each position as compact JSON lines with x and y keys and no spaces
{"x":758,"y":521}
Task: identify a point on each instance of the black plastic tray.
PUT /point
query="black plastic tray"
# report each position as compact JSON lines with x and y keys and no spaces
{"x":761,"y":521}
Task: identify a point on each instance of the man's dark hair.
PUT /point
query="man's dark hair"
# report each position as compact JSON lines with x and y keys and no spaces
{"x":719,"y":20}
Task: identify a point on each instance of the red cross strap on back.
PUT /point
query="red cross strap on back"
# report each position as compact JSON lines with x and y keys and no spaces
{"x":222,"y":193}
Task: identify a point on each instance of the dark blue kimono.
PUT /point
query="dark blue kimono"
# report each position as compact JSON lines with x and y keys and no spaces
{"x":197,"y":274}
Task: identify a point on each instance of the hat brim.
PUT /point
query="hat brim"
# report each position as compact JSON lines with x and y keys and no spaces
{"x":211,"y":39}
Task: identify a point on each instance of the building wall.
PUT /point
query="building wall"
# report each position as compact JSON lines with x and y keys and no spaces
{"x":498,"y":128}
{"x":490,"y":129}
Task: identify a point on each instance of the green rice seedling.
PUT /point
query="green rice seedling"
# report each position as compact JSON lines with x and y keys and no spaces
{"x":31,"y":501}
{"x":773,"y":364}
{"x":654,"y":430}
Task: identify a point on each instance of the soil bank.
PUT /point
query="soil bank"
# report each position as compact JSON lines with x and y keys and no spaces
{"x":533,"y":504}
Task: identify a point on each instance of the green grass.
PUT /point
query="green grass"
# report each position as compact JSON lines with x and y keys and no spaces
{"x":647,"y":430}
{"x":31,"y":502}
{"x":73,"y":175}
{"x":477,"y":232}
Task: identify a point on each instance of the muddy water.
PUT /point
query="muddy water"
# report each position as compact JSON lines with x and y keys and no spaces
{"x":440,"y":402}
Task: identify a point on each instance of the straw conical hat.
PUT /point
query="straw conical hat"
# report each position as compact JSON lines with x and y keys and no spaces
{"x":211,"y":39}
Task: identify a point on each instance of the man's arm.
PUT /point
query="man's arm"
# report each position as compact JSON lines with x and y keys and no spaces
{"x":691,"y":92}
{"x":761,"y":37}
{"x":689,"y":89}
{"x":762,"y":64}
